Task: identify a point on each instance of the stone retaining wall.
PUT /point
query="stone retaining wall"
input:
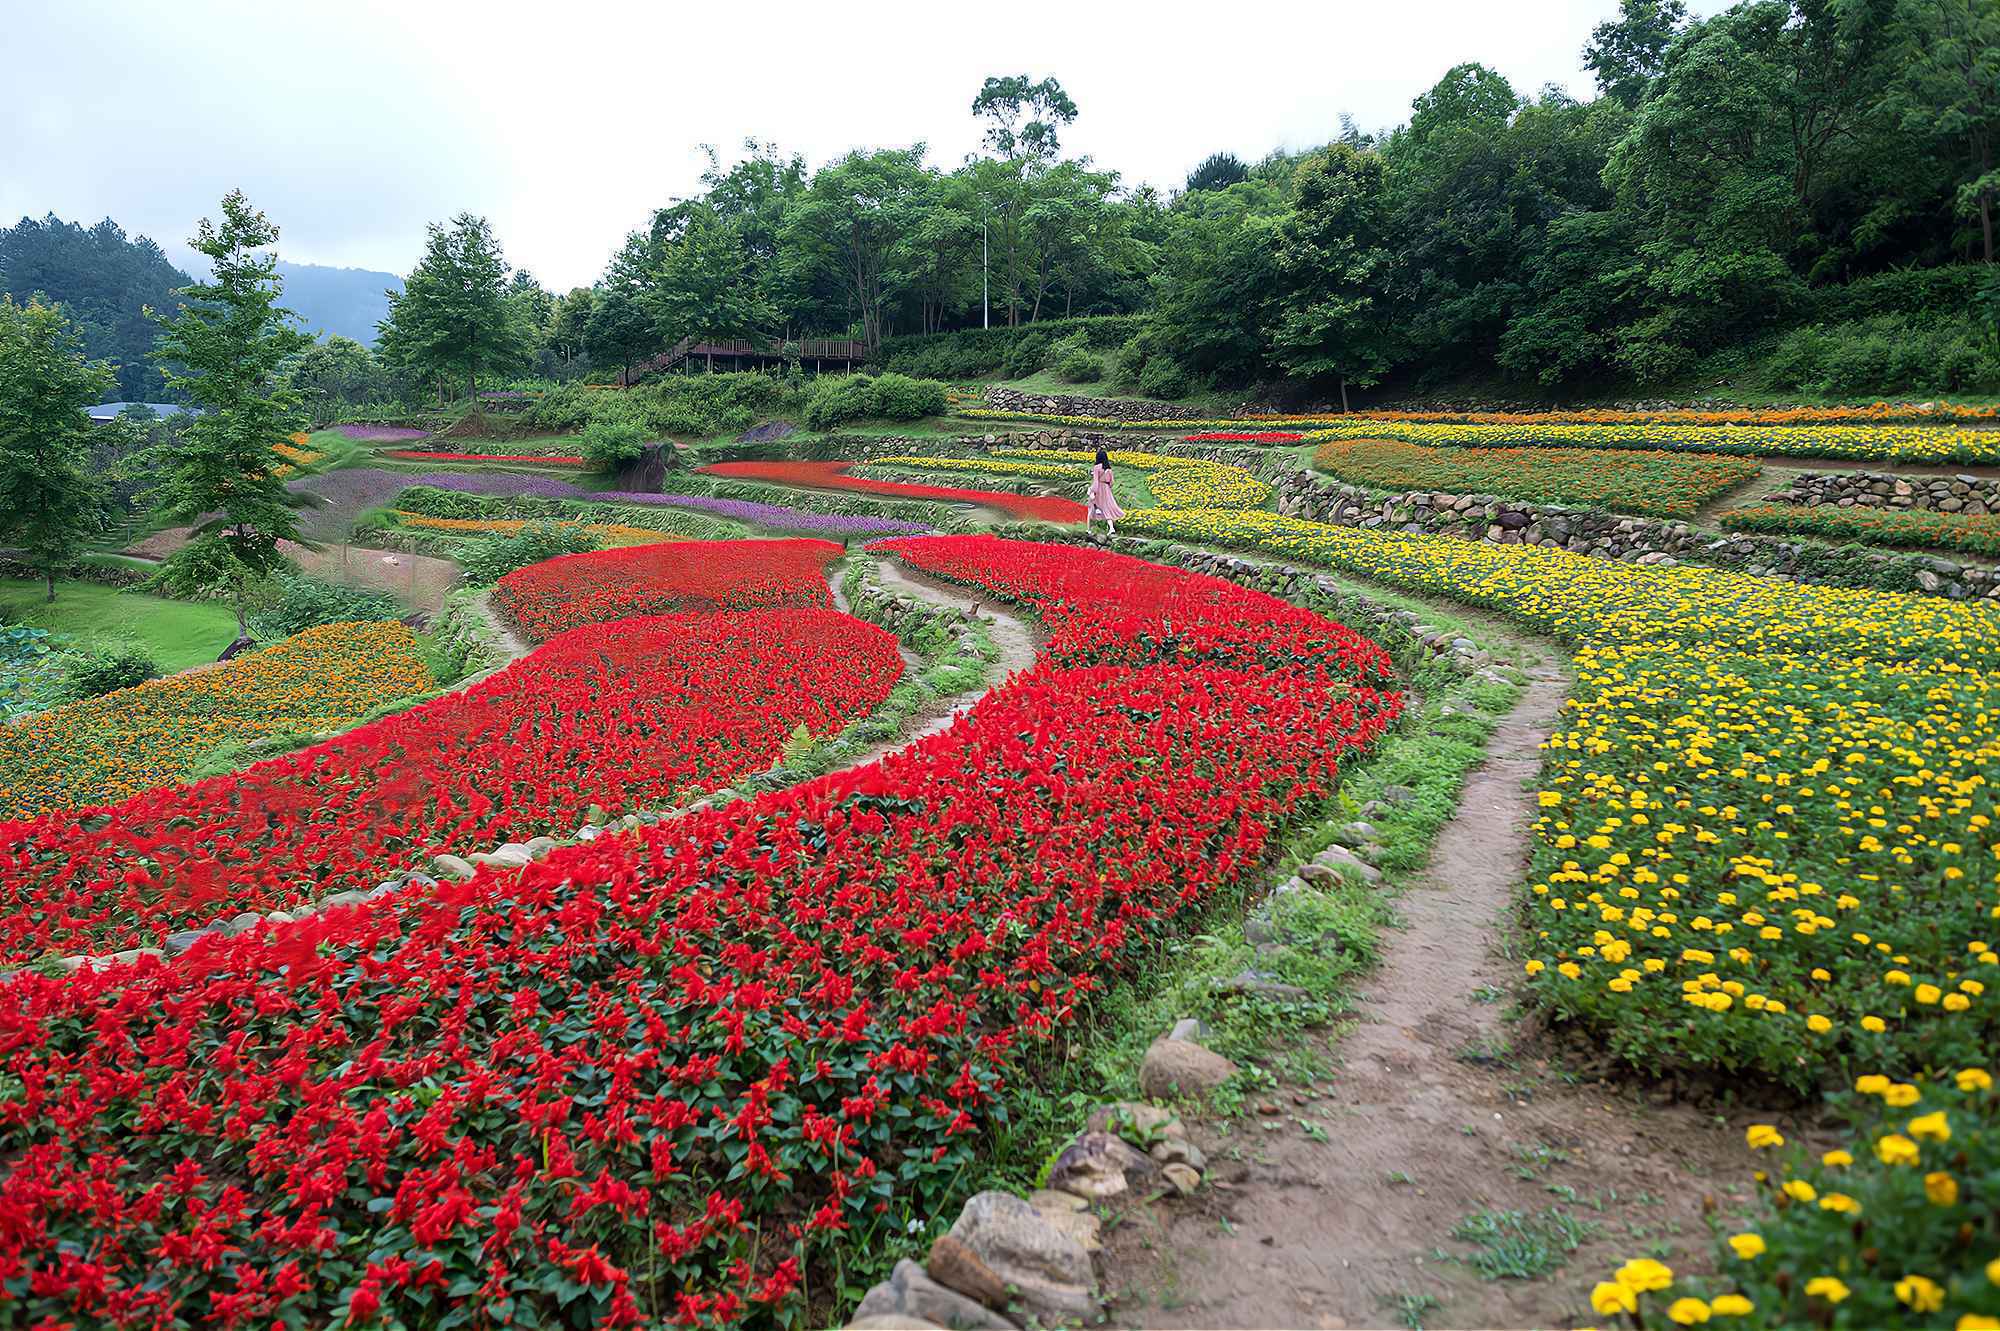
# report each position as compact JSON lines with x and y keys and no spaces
{"x":1638,"y":540}
{"x":1875,"y":489}
{"x":1103,"y":408}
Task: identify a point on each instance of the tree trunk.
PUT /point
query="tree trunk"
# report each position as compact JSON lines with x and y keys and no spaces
{"x":242,"y":620}
{"x":1343,"y":393}
{"x":51,"y":572}
{"x":1986,"y":198}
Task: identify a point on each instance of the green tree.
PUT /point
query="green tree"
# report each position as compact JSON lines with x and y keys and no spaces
{"x":1333,"y":267}
{"x":50,"y":502}
{"x":224,"y":352}
{"x":854,"y":220}
{"x":105,"y":282}
{"x":454,"y":316}
{"x":1217,"y":171}
{"x":338,"y":373}
{"x":1628,"y":52}
{"x":1948,"y":90}
{"x":620,"y":329}
{"x":567,"y":335}
{"x":1003,"y":102}
{"x":702,"y":286}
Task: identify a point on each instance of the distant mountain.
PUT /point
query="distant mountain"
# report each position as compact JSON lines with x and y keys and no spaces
{"x":347,"y":301}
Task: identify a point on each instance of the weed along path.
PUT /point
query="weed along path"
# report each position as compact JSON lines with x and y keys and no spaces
{"x":1441,"y":1177}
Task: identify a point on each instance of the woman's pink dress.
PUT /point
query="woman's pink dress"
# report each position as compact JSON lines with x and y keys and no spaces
{"x":1103,"y":503}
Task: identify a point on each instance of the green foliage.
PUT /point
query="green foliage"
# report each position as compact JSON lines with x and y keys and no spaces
{"x":453,"y":317}
{"x":296,"y":603}
{"x":1935,"y":353}
{"x":1164,"y":378}
{"x":496,"y":556}
{"x":224,"y":352}
{"x":835,"y":399}
{"x":1079,"y":367}
{"x":335,"y":377}
{"x":105,"y":282}
{"x":1334,"y":267}
{"x":608,"y":445}
{"x":51,"y":503}
{"x":972,"y":352}
{"x":91,"y":672}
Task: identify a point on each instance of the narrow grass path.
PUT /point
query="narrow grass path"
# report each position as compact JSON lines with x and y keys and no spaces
{"x":1455,"y":1178}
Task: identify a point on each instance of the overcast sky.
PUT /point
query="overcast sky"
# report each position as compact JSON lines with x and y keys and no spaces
{"x":352,"y":123}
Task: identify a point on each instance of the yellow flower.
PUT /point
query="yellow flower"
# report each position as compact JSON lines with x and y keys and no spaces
{"x":1837,"y":1159}
{"x":1761,"y":1135}
{"x":1818,"y":1025}
{"x":1799,"y":1190}
{"x":1610,"y":1298}
{"x":1688,"y":1312}
{"x":1536,"y":967}
{"x":1921,"y":1293}
{"x":1839,"y":1202}
{"x":1896,"y":1149}
{"x":1874,"y":1025}
{"x":1931,"y":1127}
{"x":1974,"y":1079}
{"x":1747,"y":1245}
{"x":1941,"y":1188}
{"x":1928,"y":994}
{"x":1732,"y":1305}
{"x":1956,"y":1002}
{"x":1901,"y":1096}
{"x":1872,"y":1084}
{"x":1977,"y":1322}
{"x":1569,"y":970}
{"x":1829,"y":1288}
{"x":1993,"y":1272}
{"x":1642,"y":1275}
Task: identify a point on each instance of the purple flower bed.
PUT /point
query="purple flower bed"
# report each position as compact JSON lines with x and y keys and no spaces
{"x":382,"y":434}
{"x":508,"y":483}
{"x":770,"y":515}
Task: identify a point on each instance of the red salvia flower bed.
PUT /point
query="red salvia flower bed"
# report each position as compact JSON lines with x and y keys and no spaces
{"x":639,"y":1080}
{"x":1247,"y":437}
{"x":598,"y":585}
{"x":833,"y":476}
{"x":624,"y":715}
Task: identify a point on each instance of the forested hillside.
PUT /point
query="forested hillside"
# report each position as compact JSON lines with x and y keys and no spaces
{"x":105,"y":281}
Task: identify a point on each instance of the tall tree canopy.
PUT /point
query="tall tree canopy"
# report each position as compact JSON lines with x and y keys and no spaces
{"x":105,"y":281}
{"x":51,"y":504}
{"x":224,"y":352}
{"x":454,"y":317}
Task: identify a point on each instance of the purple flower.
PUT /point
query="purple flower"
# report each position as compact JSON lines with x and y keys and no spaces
{"x":382,"y":434}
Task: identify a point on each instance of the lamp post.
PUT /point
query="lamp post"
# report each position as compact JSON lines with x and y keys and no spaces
{"x":985,"y":294}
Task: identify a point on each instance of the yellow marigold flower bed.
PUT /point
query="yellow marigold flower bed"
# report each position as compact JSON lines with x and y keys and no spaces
{"x":1900,"y":1232}
{"x":985,"y":466}
{"x":298,"y":453}
{"x":106,"y":749}
{"x":1175,"y":481}
{"x":1766,"y":838}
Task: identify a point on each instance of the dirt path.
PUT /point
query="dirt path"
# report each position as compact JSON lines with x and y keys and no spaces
{"x":1431,"y":1117}
{"x":419,"y":581}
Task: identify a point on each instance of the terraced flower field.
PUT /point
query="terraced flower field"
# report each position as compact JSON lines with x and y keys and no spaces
{"x":646,"y":1078}
{"x":1663,"y":484}
{"x":1767,"y":829}
{"x":833,"y":476}
{"x":1911,"y":528}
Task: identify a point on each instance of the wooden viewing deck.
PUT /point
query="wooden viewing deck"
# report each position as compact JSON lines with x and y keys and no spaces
{"x":817,"y":352}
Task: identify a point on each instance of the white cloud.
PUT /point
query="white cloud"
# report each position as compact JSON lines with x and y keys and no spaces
{"x":353,"y":124}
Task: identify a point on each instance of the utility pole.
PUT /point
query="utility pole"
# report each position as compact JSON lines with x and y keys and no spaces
{"x":985,"y":295}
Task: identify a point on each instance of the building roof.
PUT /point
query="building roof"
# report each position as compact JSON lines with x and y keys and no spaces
{"x":111,"y":411}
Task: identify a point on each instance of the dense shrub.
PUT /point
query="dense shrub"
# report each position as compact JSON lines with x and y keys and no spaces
{"x":1079,"y":367}
{"x":297,"y":603}
{"x":687,"y":404}
{"x":1908,"y":291}
{"x":972,"y":352}
{"x":92,"y":672}
{"x":901,"y":398}
{"x":1026,"y":356}
{"x":835,"y":399}
{"x":1163,"y":378}
{"x":497,"y":556}
{"x":1887,"y":354}
{"x":611,"y":444}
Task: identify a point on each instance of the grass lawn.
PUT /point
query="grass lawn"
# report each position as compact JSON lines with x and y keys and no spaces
{"x":178,"y":634}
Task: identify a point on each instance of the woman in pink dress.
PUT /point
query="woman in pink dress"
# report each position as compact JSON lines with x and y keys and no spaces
{"x":1103,"y":504}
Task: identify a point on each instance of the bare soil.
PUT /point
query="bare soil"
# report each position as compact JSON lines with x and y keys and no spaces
{"x":1440,"y":1108}
{"x":418,"y":581}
